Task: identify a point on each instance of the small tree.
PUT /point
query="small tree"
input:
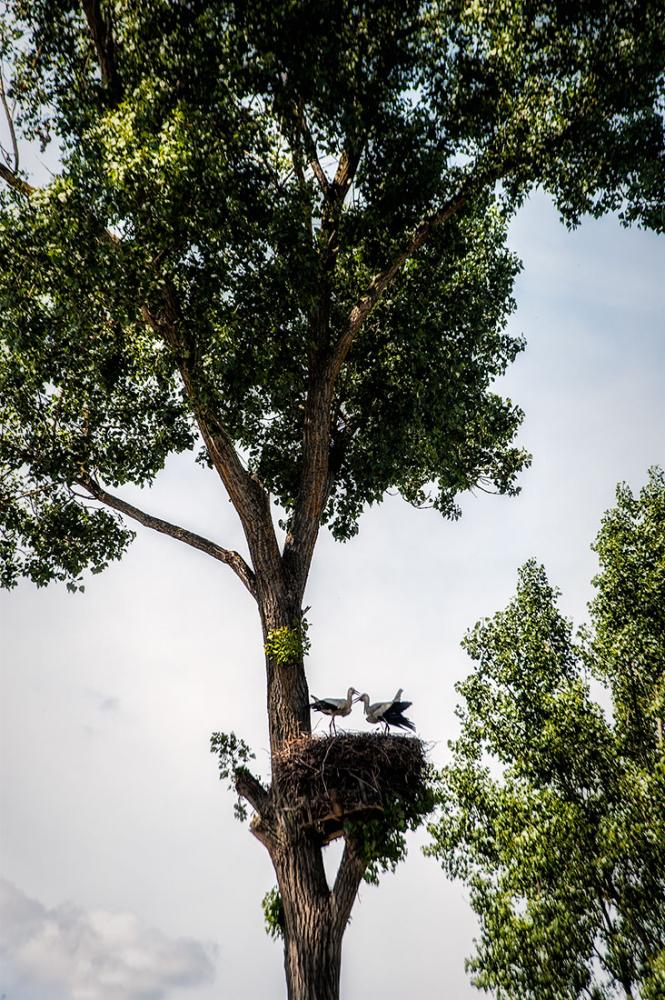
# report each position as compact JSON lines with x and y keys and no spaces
{"x":553,"y":813}
{"x":276,"y":240}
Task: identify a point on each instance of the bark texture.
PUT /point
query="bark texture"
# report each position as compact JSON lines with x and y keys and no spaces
{"x":287,"y":690}
{"x":315,"y":916}
{"x":312,"y":939}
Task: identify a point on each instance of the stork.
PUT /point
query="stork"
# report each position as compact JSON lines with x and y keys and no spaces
{"x":389,"y":713}
{"x":334,"y":707}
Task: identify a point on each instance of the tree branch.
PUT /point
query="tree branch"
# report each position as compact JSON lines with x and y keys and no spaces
{"x":262,"y":823}
{"x":315,"y":480}
{"x":247,"y":495}
{"x":383,"y":279}
{"x":102,"y":37}
{"x":10,"y":121}
{"x":346,"y":168}
{"x":250,"y":788}
{"x":228,"y":556}
{"x":311,"y":152}
{"x":245,"y":492}
{"x":491,"y":167}
{"x":349,"y":875}
{"x":15,"y":181}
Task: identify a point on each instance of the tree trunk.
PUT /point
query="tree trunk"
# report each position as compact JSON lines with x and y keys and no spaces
{"x":312,"y":937}
{"x":315,"y":917}
{"x":313,"y":959}
{"x":287,"y":691}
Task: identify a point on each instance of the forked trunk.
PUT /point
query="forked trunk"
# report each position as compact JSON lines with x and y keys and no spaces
{"x":313,"y":930}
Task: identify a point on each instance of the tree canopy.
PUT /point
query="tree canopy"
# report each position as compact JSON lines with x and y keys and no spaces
{"x":553,"y":807}
{"x":276,"y":238}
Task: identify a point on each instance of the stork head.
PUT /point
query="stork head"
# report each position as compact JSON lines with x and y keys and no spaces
{"x":350,"y":693}
{"x":365,"y":700}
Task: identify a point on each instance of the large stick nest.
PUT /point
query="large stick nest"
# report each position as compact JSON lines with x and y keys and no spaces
{"x":352,"y":776}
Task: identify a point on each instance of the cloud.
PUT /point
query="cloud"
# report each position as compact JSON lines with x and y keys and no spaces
{"x":67,"y":953}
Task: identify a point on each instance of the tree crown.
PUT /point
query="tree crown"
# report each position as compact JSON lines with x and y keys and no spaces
{"x":277,"y":237}
{"x":552,"y":808}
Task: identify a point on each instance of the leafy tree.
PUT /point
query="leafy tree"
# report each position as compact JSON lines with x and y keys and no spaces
{"x":553,"y":811}
{"x":276,"y":240}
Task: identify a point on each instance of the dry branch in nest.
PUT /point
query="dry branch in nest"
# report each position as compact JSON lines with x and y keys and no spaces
{"x":353,"y":776}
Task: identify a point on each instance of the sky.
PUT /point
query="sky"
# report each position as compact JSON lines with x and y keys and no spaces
{"x":124,"y":873}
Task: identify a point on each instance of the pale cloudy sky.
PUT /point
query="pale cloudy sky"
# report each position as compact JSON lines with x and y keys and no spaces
{"x":127,"y":877}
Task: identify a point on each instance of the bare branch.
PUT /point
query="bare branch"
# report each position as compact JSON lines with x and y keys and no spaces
{"x":10,"y":120}
{"x":228,"y":556}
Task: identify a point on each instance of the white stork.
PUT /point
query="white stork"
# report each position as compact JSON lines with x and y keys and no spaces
{"x":334,"y":707}
{"x":389,"y":713}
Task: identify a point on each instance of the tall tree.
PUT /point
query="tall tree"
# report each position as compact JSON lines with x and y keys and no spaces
{"x":276,"y":240}
{"x":553,"y":810}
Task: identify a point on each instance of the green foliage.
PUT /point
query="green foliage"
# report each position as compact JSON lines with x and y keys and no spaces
{"x":273,"y":913}
{"x":185,"y":199}
{"x":233,"y":754}
{"x":288,"y":645}
{"x":552,"y":810}
{"x":48,"y":535}
{"x":625,"y":649}
{"x":382,"y":841}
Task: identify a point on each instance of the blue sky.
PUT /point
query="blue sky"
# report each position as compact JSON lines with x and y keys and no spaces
{"x":117,"y":838}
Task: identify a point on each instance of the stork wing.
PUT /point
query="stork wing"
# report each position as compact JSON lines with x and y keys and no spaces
{"x":327,"y":704}
{"x":402,"y":722}
{"x":393,"y":716}
{"x":378,"y":708}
